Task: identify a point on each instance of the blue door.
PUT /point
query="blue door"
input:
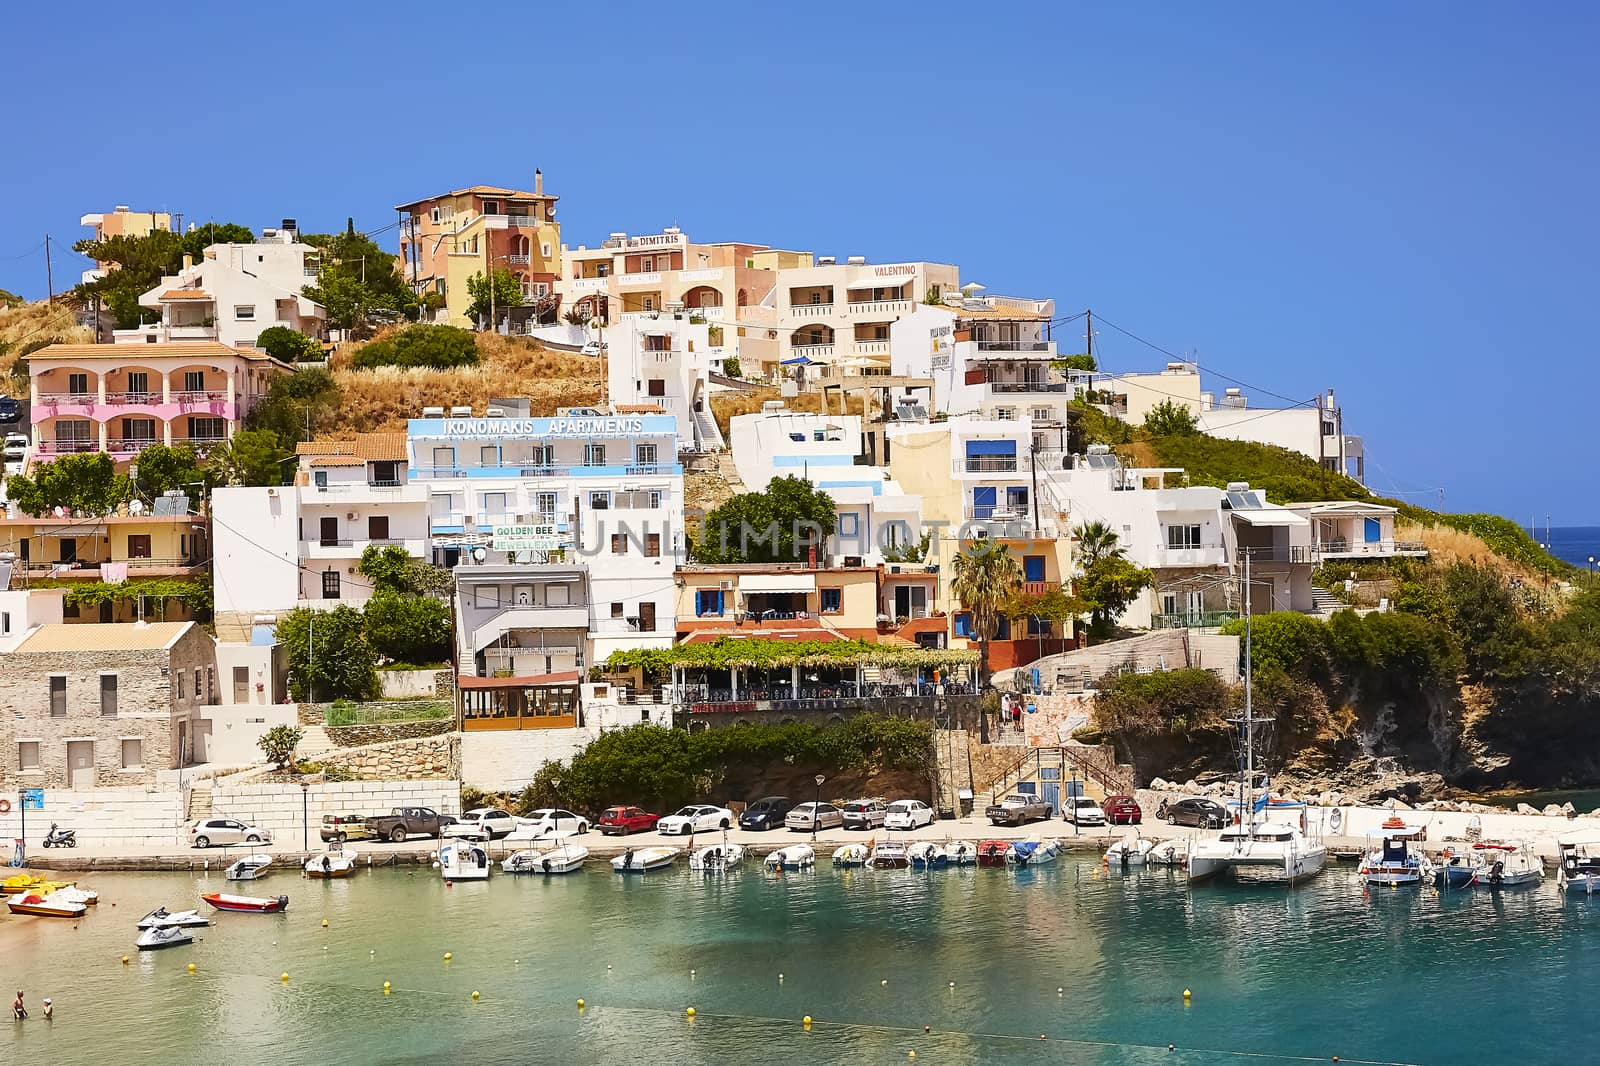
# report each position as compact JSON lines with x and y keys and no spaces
{"x":1374,"y":530}
{"x":982,"y":501}
{"x":1050,"y":778}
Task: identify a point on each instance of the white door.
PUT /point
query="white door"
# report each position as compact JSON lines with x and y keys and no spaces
{"x":80,"y":764}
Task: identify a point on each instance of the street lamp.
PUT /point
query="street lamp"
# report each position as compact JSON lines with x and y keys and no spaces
{"x":1591,"y":564}
{"x":816,"y":810}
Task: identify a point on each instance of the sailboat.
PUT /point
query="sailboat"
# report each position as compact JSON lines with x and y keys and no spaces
{"x":1261,"y":844}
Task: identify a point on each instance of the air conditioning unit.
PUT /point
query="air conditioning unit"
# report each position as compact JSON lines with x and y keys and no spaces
{"x":725,"y":585}
{"x":350,"y":516}
{"x":271,"y":493}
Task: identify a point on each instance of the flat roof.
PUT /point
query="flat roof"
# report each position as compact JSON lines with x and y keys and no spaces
{"x":481,"y":190}
{"x":134,"y":353}
{"x":103,"y":636}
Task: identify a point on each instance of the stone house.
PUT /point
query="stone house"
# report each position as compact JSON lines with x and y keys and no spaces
{"x":103,"y":706}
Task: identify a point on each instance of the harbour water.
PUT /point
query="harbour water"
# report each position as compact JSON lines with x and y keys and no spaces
{"x":1575,"y":544}
{"x":1395,"y":976}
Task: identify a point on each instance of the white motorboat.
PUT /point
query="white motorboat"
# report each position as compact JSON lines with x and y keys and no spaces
{"x":890,"y":855}
{"x":73,"y":894}
{"x":1263,"y":850}
{"x":163,"y":936}
{"x":1131,"y":850}
{"x":462,"y":860}
{"x":793,"y":857}
{"x":335,"y":862}
{"x":249,"y":868}
{"x":1507,"y":865}
{"x":714,"y":858}
{"x":1578,"y":867}
{"x":1033,"y":852}
{"x":1173,"y":852}
{"x":559,"y":860}
{"x":161,"y":918}
{"x":926,"y":855}
{"x":1391,"y":861}
{"x":962,"y":853}
{"x":643,"y":860}
{"x":852,"y":856}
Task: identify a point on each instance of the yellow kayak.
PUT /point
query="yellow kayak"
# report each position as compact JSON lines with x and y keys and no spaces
{"x":12,"y":886}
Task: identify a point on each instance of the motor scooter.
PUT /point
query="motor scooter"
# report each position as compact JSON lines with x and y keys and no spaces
{"x":61,"y":838}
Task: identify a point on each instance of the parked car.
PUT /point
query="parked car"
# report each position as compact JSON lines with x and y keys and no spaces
{"x":810,"y":816}
{"x":864,"y":814}
{"x":621,"y":821}
{"x":549,"y":822}
{"x":1122,"y":810}
{"x":403,"y":822}
{"x":482,"y":823}
{"x":10,"y":410}
{"x":593,"y":348}
{"x":1081,"y":810}
{"x":1200,"y":813}
{"x":209,"y":832}
{"x":765,"y":813}
{"x":337,"y":828}
{"x":908,"y":814}
{"x":695,"y":818}
{"x":1019,"y":808}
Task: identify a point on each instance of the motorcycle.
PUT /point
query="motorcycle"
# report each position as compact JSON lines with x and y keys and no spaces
{"x":61,"y":838}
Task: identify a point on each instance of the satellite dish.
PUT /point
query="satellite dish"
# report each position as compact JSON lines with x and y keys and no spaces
{"x":136,"y":507}
{"x":479,"y":554}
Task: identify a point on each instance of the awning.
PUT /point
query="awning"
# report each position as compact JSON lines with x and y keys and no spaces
{"x":1271,"y":516}
{"x":800,"y":360}
{"x":566,"y":677}
{"x":991,"y":447}
{"x":778,"y":583}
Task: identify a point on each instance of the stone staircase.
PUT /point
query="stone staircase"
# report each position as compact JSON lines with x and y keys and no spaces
{"x":1324,"y":602}
{"x":706,"y":430}
{"x":199,"y":800}
{"x":953,"y":771}
{"x":314,"y":744}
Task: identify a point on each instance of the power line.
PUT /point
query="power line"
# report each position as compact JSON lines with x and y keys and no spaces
{"x":35,"y":250}
{"x":1209,"y":370}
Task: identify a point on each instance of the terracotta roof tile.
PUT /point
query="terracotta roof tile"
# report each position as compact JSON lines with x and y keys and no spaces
{"x":186,"y":294}
{"x":368,"y":447}
{"x":131,"y":353}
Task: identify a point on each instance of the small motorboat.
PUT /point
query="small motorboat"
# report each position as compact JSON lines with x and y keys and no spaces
{"x":1507,"y":866}
{"x":249,"y":868}
{"x":223,"y":901}
{"x":926,"y":855}
{"x":1392,"y":862}
{"x":793,"y":857}
{"x":890,"y":855}
{"x":45,"y":906}
{"x":462,"y":860}
{"x":335,"y":862}
{"x":1034,"y":852}
{"x":643,"y":860}
{"x":1131,"y":850}
{"x":163,"y":936}
{"x":852,"y":856}
{"x":962,"y":853}
{"x":1457,"y":867}
{"x":993,"y":852}
{"x":161,"y":918}
{"x":562,"y":860}
{"x":1577,"y":867}
{"x":714,"y":858}
{"x":1168,"y":853}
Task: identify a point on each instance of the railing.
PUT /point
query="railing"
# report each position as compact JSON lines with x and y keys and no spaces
{"x":126,"y":446}
{"x":146,"y":396}
{"x":54,"y":399}
{"x":1198,"y":555}
{"x":985,"y":345}
{"x":878,"y":307}
{"x":333,"y":542}
{"x":811,"y":310}
{"x":201,"y":445}
{"x":811,"y":349}
{"x":200,"y":396}
{"x":84,"y":566}
{"x":872,"y":347}
{"x":67,"y":447}
{"x":1039,"y":588}
{"x":1020,"y":514}
{"x":1345,"y":549}
{"x":1027,"y":386}
{"x":1109,"y":778}
{"x":645,"y":278}
{"x":1195,"y":620}
{"x":621,"y":625}
{"x":841,"y":697}
{"x":1298,"y":553}
{"x":987,"y":464}
{"x":517,"y":259}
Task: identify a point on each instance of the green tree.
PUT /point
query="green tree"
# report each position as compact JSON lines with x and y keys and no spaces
{"x":505,"y":290}
{"x":141,"y":263}
{"x":290,"y":400}
{"x":1295,"y":643}
{"x":278,"y":744}
{"x":86,"y":484}
{"x":386,"y":567}
{"x":730,"y":367}
{"x":289,"y":345}
{"x":328,"y":655}
{"x":1107,"y":588}
{"x":196,"y":240}
{"x":779,"y":524}
{"x":438,"y":347}
{"x":357,"y":281}
{"x":1082,"y":361}
{"x":408,"y":629}
{"x":162,"y":468}
{"x":250,"y":457}
{"x":986,"y":577}
{"x":1096,"y":541}
{"x":1168,"y":419}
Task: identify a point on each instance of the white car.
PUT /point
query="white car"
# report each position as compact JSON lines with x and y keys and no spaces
{"x":593,"y":348}
{"x":1081,"y":810}
{"x":210,"y":832}
{"x":482,"y":823}
{"x":548,"y":823}
{"x":908,"y":814}
{"x":695,"y":818}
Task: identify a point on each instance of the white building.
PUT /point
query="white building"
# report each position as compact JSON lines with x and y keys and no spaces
{"x":665,"y":361}
{"x":24,"y":610}
{"x":1353,"y":530}
{"x":874,"y":512}
{"x":988,"y":356}
{"x":1132,"y":396}
{"x":235,"y":292}
{"x":1315,"y":430}
{"x":841,"y":314}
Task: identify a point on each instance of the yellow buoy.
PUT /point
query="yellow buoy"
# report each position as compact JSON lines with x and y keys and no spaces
{"x":448,"y":956}
{"x":324,"y":923}
{"x":386,"y":986}
{"x":911,"y":1054}
{"x":1186,"y":993}
{"x":474,"y":994}
{"x":806,"y":1020}
{"x":191,"y":967}
{"x":124,"y":960}
{"x":689,"y":1012}
{"x":580,"y":1004}
{"x":283,"y":977}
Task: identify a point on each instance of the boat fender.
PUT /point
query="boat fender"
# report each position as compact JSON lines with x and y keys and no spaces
{"x":1336,"y":819}
{"x":5,"y":806}
{"x":1302,"y":819}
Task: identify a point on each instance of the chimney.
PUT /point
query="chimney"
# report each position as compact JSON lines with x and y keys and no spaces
{"x":538,"y":182}
{"x":188,"y":260}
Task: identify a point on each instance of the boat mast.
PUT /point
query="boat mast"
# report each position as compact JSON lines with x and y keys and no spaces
{"x":1247,"y":813}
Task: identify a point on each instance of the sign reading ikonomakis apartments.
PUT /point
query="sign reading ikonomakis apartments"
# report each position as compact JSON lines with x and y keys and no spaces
{"x":562,"y":427}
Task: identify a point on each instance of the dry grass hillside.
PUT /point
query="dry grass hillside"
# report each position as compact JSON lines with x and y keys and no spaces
{"x":1447,"y":546}
{"x":26,"y":325}
{"x":729,"y":405}
{"x":382,"y":399}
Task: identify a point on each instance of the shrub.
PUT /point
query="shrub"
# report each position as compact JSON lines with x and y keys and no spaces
{"x":438,"y":347}
{"x":279,"y":743}
{"x":287,"y":344}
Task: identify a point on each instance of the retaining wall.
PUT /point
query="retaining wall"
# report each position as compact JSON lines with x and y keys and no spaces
{"x":505,"y":761}
{"x":400,"y":760}
{"x":416,"y":684}
{"x":104,"y":818}
{"x":354,"y":736}
{"x":278,"y":807}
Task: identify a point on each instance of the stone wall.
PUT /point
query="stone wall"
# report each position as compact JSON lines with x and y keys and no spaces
{"x":155,"y":691}
{"x":506,"y":760}
{"x":109,"y":818}
{"x":420,"y":758}
{"x":417,"y":684}
{"x":293,"y":815}
{"x":959,"y":711}
{"x":355,"y":736}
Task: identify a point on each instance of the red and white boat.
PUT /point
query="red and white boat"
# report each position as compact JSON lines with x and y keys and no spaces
{"x":993,"y":852}
{"x":222,"y":901}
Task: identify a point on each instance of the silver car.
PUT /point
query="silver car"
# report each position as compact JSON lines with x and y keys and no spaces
{"x":810,"y":816}
{"x":209,"y":832}
{"x":864,"y":814}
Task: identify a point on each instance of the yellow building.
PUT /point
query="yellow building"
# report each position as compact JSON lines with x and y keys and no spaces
{"x":121,"y":222}
{"x":446,"y":239}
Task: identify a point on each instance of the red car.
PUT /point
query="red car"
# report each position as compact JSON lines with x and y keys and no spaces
{"x":621,"y":821}
{"x":1122,"y":810}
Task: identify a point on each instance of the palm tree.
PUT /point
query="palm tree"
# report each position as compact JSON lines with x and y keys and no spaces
{"x":1096,"y":541}
{"x":986,"y":578}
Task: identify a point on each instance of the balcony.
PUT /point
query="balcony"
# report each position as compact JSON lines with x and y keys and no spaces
{"x":811,"y":310}
{"x":130,"y":446}
{"x":67,"y":447}
{"x":568,"y":616}
{"x":201,"y":396}
{"x":506,"y":222}
{"x":90,"y":568}
{"x":1196,"y":620}
{"x":1008,"y":514}
{"x":1033,"y":386}
{"x":1280,"y":554}
{"x":986,"y":464}
{"x":987,"y":345}
{"x":652,"y":278}
{"x":1196,"y":555}
{"x":814,"y":352}
{"x":1340,"y":548}
{"x":872,"y":347}
{"x":909,"y":699}
{"x":68,"y":399}
{"x":146,"y":397}
{"x":621,"y":627}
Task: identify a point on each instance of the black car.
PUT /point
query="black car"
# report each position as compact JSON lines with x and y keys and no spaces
{"x":1200,"y":813}
{"x":766,"y":813}
{"x":10,"y":410}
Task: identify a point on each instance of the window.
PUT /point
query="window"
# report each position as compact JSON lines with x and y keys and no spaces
{"x":138,"y":383}
{"x":444,"y":457}
{"x":133,"y":754}
{"x":616,"y":610}
{"x":647,"y":264}
{"x":486,"y":596}
{"x":654,"y":496}
{"x":649,"y":303}
{"x":78,"y":384}
{"x":543,"y":455}
{"x":849,"y":524}
{"x":1041,"y":414}
{"x":1017,"y":498}
{"x":197,"y":676}
{"x":545,"y":504}
{"x":656,"y":387}
{"x":433,"y":215}
{"x":5,"y":622}
{"x":378,"y":527}
{"x":58,"y":696}
{"x":330,"y":584}
{"x":619,"y":544}
{"x":964,"y":625}
{"x":544,"y":249}
{"x":708,"y":602}
{"x":1183,"y":537}
{"x":832,"y":600}
{"x":599,"y":501}
{"x":1005,"y":414}
{"x":594,"y":455}
{"x":652,"y":545}
{"x":139,"y":429}
{"x":211,"y":684}
{"x":489,"y":455}
{"x":244,"y":312}
{"x":108,"y":695}
{"x":491,"y":207}
{"x":194,"y":381}
{"x":207,"y":429}
{"x":494,"y":505}
{"x":385,"y":473}
{"x":1033,"y":568}
{"x":138,"y":545}
{"x":27,"y":755}
{"x":644,"y":454}
{"x":319,"y":478}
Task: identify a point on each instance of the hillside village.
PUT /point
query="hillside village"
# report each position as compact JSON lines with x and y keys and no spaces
{"x":459,"y":508}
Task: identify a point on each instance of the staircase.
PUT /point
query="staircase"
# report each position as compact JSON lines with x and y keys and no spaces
{"x":314,"y":744}
{"x":199,"y":800}
{"x":953,"y":771}
{"x":1324,"y":602}
{"x":707,"y":435}
{"x":1089,"y":766}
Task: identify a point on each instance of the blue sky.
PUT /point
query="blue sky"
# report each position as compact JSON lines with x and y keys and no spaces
{"x":1393,"y":201}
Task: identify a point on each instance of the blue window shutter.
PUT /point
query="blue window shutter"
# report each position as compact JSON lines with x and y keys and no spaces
{"x":1374,"y":531}
{"x":991,"y":447}
{"x":1033,"y":568}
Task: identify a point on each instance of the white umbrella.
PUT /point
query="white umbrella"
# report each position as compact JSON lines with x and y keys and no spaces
{"x":971,"y":286}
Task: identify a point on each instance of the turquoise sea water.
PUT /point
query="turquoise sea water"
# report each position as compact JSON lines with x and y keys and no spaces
{"x":1277,"y":975}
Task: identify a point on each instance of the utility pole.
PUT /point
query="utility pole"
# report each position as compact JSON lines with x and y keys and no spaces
{"x":1088,"y":332}
{"x":49,"y":277}
{"x":1033,"y":468}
